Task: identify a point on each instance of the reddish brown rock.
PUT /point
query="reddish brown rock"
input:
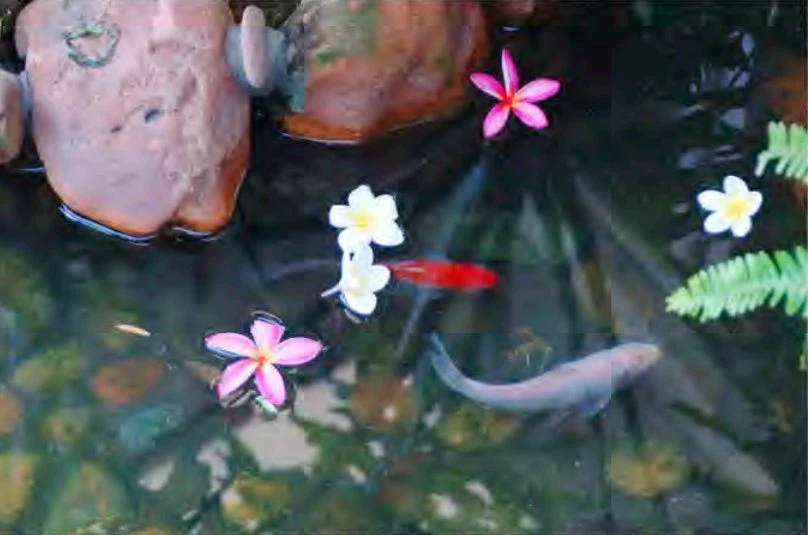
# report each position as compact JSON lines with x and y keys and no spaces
{"x":378,"y":65}
{"x":12,"y":127}
{"x":127,"y":381}
{"x":535,"y":12}
{"x":135,"y":113}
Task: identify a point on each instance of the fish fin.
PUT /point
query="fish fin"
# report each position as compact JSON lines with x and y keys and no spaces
{"x":592,"y":406}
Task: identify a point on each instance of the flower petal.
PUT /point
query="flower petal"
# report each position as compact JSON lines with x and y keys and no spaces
{"x":735,"y":185}
{"x":755,"y":201}
{"x":495,"y":120}
{"x":388,"y":235}
{"x":234,"y":376}
{"x":362,"y":258}
{"x":361,"y":198}
{"x":231,"y":345}
{"x":353,"y":238}
{"x":711,"y":200}
{"x":377,"y":278}
{"x":716,"y":223}
{"x":296,"y":351}
{"x":509,"y":75}
{"x":385,"y":207}
{"x":741,"y":227}
{"x":537,"y":90}
{"x":488,"y":84}
{"x":361,"y":303}
{"x":267,"y":335}
{"x":270,"y":384}
{"x":339,"y":216}
{"x":530,"y":114}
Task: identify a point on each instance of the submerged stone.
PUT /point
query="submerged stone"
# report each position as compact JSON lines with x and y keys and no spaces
{"x":471,"y":427}
{"x":50,"y":371}
{"x":17,"y":473}
{"x":135,"y":114}
{"x":379,"y":65}
{"x":653,"y":471}
{"x":10,"y":412}
{"x":151,"y":531}
{"x":67,"y":426}
{"x":139,"y":431}
{"x":127,"y":381}
{"x":24,"y":305}
{"x":250,"y":501}
{"x":91,"y":497}
{"x":383,"y":403}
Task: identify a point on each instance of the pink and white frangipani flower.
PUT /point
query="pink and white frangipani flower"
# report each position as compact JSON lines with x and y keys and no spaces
{"x":261,"y":355}
{"x":512,"y":98}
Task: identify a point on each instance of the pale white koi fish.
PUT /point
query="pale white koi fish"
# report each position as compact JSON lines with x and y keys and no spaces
{"x":586,"y":384}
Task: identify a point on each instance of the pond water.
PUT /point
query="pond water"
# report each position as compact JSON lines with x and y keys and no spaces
{"x":588,"y":224}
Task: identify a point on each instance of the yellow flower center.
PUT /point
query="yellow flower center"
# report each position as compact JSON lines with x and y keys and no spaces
{"x":737,"y":207}
{"x":363,"y":219}
{"x":263,"y":358}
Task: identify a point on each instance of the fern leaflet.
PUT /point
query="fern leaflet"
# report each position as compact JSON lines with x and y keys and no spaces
{"x":789,"y":145}
{"x":745,"y":283}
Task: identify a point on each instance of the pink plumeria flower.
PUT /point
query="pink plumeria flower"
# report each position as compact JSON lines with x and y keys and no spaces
{"x":261,"y":355}
{"x":512,"y":98}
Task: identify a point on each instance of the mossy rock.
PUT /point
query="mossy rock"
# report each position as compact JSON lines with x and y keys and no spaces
{"x":652,"y":471}
{"x":151,"y":531}
{"x":91,"y":497}
{"x":448,"y":502}
{"x":341,"y":512}
{"x":67,"y":426}
{"x":10,"y":412}
{"x":21,"y":292}
{"x":50,"y":371}
{"x":471,"y":428}
{"x":17,"y":478}
{"x":251,"y":502}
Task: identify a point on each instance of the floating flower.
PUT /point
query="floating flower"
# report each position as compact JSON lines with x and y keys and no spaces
{"x":366,"y":219}
{"x":262,"y":354}
{"x":732,"y":209}
{"x":512,"y":98}
{"x":360,"y":281}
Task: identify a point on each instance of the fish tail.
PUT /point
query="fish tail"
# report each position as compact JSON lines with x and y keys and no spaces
{"x":445,"y":367}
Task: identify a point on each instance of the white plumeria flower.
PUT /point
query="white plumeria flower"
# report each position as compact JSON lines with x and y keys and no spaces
{"x":360,"y":280}
{"x":732,"y":209}
{"x":366,"y":219}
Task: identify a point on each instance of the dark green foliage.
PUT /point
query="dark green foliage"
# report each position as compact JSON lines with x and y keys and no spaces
{"x":745,"y":283}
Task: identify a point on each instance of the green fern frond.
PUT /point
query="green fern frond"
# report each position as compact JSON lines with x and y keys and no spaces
{"x":789,"y":145}
{"x":745,"y":283}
